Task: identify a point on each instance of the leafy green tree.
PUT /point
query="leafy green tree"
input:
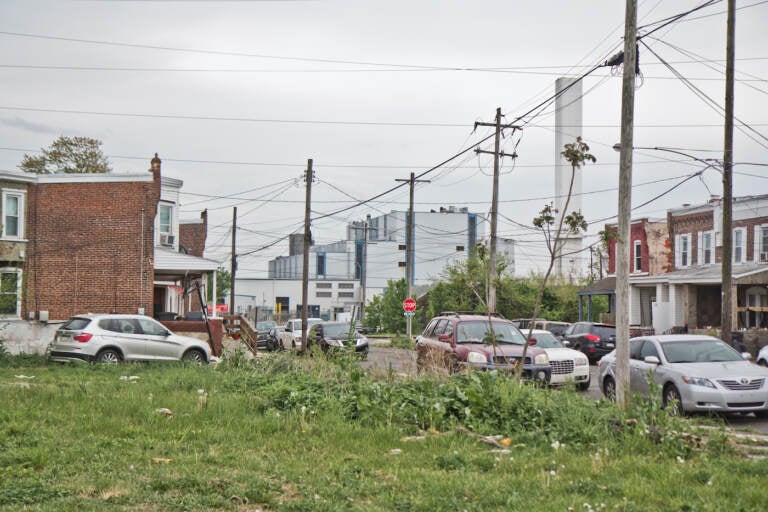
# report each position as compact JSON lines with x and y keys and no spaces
{"x":392,"y":318}
{"x":373,"y":314}
{"x":68,"y":155}
{"x":223,"y":282}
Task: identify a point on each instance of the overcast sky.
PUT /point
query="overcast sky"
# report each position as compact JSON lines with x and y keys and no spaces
{"x":236,"y":96}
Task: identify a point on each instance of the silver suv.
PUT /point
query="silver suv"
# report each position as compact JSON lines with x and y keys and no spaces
{"x":114,"y":338}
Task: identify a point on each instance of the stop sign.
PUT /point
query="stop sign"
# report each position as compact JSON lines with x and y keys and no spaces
{"x":409,"y":305}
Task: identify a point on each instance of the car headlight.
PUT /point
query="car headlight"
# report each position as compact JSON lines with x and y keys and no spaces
{"x":580,"y":361}
{"x":477,"y":357}
{"x":361,"y":341}
{"x":541,"y":359}
{"x":699,"y":381}
{"x":334,"y":343}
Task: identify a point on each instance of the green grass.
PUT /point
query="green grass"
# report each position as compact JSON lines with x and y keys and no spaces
{"x":292,"y":433}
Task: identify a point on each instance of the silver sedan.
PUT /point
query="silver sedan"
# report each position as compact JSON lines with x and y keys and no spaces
{"x":693,"y":374}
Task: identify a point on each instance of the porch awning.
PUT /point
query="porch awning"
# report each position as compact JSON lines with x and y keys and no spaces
{"x":172,"y":266}
{"x":605,"y":286}
{"x":706,"y":275}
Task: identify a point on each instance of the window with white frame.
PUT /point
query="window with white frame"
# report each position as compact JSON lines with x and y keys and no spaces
{"x":165,"y":219}
{"x":683,"y":250}
{"x":761,"y":244}
{"x":739,"y":245}
{"x":638,"y":259}
{"x":13,"y":214}
{"x":706,"y":252}
{"x":10,"y":292}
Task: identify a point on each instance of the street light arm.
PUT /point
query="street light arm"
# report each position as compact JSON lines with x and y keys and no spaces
{"x":710,"y":162}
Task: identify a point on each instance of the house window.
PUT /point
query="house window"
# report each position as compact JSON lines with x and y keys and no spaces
{"x":706,"y":248}
{"x":13,"y":214}
{"x":738,"y":245}
{"x":684,"y":250}
{"x":638,"y":256}
{"x":346,"y":295}
{"x":323,"y":294}
{"x":346,"y":286}
{"x":10,"y":292}
{"x":323,"y":285}
{"x":165,"y":214}
{"x":321,"y":264}
{"x":761,"y":239}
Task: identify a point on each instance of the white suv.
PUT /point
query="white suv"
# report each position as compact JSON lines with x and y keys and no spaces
{"x":568,"y":366}
{"x":115,"y":338}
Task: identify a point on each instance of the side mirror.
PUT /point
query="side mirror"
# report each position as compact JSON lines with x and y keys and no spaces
{"x":746,"y":355}
{"x":532,"y":341}
{"x":652,"y":360}
{"x":445,"y":338}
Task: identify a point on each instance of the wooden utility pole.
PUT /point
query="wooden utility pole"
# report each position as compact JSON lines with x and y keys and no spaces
{"x":625,"y":205}
{"x":494,"y":206}
{"x":409,"y":247}
{"x":308,"y":176}
{"x":726,"y":321}
{"x":233,"y":267}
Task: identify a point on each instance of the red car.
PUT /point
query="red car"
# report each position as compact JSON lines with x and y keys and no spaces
{"x":455,"y":340}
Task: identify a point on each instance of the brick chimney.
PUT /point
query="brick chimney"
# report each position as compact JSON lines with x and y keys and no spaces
{"x":155,"y":167}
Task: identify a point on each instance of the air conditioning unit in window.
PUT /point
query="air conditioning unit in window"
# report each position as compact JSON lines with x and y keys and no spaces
{"x":167,"y":240}
{"x":764,"y":257}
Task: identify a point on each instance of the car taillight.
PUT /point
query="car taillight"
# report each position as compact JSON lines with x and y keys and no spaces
{"x":591,"y":337}
{"x":83,"y":338}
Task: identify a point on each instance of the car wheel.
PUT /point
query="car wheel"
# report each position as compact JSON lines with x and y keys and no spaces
{"x":762,"y":362}
{"x":108,"y":356}
{"x":609,"y":388}
{"x":671,"y":399}
{"x":582,"y":386}
{"x":762,"y":414}
{"x":194,"y":356}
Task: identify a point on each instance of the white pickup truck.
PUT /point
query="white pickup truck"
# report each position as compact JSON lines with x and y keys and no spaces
{"x":290,"y":338}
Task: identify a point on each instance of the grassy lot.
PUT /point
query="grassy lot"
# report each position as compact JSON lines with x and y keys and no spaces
{"x":293,"y":433}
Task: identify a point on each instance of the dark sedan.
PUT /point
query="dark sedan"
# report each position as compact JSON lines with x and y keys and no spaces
{"x":339,"y":336}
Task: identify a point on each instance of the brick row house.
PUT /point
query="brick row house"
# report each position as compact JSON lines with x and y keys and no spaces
{"x":75,"y":243}
{"x":677,"y":273}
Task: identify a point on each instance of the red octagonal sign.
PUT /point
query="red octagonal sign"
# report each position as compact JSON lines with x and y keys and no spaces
{"x":409,"y":305}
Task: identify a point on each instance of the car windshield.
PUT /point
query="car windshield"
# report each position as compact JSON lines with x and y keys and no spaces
{"x":340,"y":330}
{"x":265,"y":325}
{"x":699,"y":351}
{"x":546,"y":340}
{"x":480,"y":331}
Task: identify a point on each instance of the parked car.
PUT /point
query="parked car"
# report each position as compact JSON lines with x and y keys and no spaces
{"x":272,"y":342}
{"x":762,"y":356}
{"x":568,"y":365}
{"x":556,"y":328}
{"x":523,"y":323}
{"x":339,"y":336}
{"x":262,"y":333}
{"x":455,"y":340}
{"x":290,"y":337}
{"x":593,"y":339}
{"x":693,"y":373}
{"x":107,"y":338}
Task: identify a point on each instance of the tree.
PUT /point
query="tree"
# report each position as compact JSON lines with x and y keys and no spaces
{"x":386,"y":310}
{"x":68,"y":155}
{"x":223,"y":281}
{"x":551,"y":224}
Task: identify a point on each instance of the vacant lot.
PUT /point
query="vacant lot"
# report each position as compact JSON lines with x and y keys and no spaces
{"x":293,"y":433}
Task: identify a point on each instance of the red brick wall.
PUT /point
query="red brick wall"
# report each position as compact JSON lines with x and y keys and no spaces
{"x":636,"y":232}
{"x":91,"y":247}
{"x":192,"y":236}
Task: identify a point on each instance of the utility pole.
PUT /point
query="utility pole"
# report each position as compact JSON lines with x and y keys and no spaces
{"x":625,"y":204}
{"x":409,"y":247}
{"x":494,"y":206}
{"x":233,"y":268}
{"x":726,"y":322}
{"x":308,"y":176}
